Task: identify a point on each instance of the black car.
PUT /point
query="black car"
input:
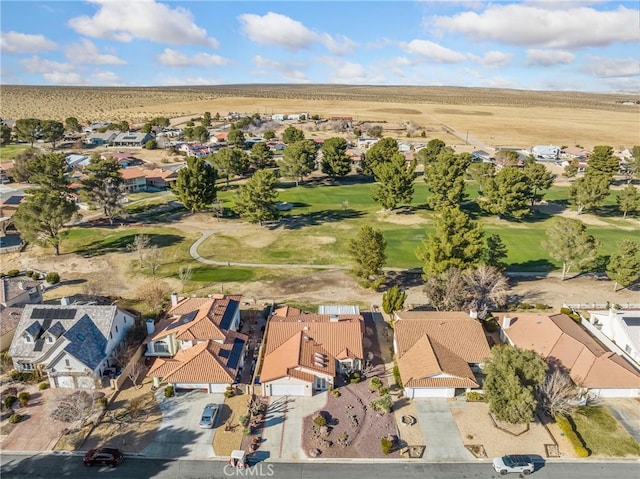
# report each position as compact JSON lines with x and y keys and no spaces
{"x":107,"y":456}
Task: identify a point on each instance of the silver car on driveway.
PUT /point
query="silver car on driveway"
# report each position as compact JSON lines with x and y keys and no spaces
{"x":208,"y":416}
{"x":513,"y":463}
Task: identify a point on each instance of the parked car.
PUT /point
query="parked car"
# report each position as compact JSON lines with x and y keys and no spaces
{"x":208,"y":416}
{"x":107,"y":456}
{"x":513,"y":463}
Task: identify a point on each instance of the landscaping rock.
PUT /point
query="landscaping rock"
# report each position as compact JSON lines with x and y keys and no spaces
{"x":314,"y":452}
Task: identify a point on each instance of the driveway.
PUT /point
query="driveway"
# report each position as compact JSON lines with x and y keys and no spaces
{"x":441,"y":435}
{"x":179,"y":435}
{"x":627,"y":412}
{"x":282,"y":432}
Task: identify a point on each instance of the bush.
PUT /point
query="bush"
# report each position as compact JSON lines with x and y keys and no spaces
{"x":396,"y":376}
{"x":571,"y":314}
{"x":22,"y":376}
{"x":320,"y":421}
{"x":15,"y":418}
{"x":336,"y":393}
{"x":12,"y":273}
{"x":43,"y":386}
{"x":569,"y":431}
{"x":375,"y":384}
{"x":474,"y":396}
{"x":52,"y":278}
{"x":229,"y":392}
{"x":8,"y":401}
{"x":244,"y":420}
{"x":102,"y":402}
{"x":28,"y":273}
{"x":355,"y":377}
{"x":382,"y":404}
{"x":24,"y":397}
{"x":490,"y":325}
{"x":542,"y":306}
{"x":386,"y":445}
{"x":525,"y":306}
{"x":169,"y":392}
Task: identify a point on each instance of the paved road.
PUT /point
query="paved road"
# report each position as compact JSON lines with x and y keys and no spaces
{"x":46,"y":466}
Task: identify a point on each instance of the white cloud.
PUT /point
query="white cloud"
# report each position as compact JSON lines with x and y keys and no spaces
{"x":613,"y":67}
{"x":173,"y":58}
{"x":186,"y":81}
{"x":64,"y":78}
{"x":106,"y":78}
{"x":276,"y":29}
{"x":87,"y":52}
{"x":142,"y":19}
{"x":341,"y":45}
{"x":432,"y":51}
{"x":289,"y":71}
{"x":345,"y":72}
{"x":493,"y":59}
{"x":519,"y":24}
{"x":549,"y":57}
{"x":41,"y":65}
{"x":14,"y":42}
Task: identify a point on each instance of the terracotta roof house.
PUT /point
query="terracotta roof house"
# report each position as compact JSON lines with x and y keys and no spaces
{"x":124,"y":159}
{"x":197,"y":345}
{"x":135,"y":179}
{"x":72,"y":344}
{"x":304,"y":353}
{"x":558,"y":338}
{"x":160,"y":178}
{"x":438,"y":353}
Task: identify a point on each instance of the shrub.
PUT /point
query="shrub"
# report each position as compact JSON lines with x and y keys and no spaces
{"x":244,"y":420}
{"x":28,"y":273}
{"x":9,"y":400}
{"x":542,"y":306}
{"x":12,"y":273}
{"x":169,"y":392}
{"x":396,"y":376}
{"x":102,"y":402}
{"x":52,"y":277}
{"x":571,"y":314}
{"x":229,"y":392}
{"x":320,"y":421}
{"x":382,"y":404}
{"x":524,"y":306}
{"x":15,"y":418}
{"x":22,"y":376}
{"x":335,"y":393}
{"x":386,"y":445}
{"x":569,"y":431}
{"x":355,"y":377}
{"x":375,"y":383}
{"x":24,"y":397}
{"x":490,"y":325}
{"x":474,"y":396}
{"x":43,"y":386}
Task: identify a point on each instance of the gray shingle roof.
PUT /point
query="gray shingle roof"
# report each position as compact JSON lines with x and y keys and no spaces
{"x":86,"y":342}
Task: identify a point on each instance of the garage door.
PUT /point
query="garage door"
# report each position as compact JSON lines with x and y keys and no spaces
{"x":288,"y":389}
{"x":190,"y":386}
{"x":433,"y":393}
{"x":618,"y":393}
{"x":64,"y":382}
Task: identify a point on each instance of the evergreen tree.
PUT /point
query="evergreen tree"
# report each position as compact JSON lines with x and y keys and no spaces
{"x":5,"y":134}
{"x":206,"y":119}
{"x":269,"y":135}
{"x":495,"y":252}
{"x":568,"y":241}
{"x":538,"y":178}
{"x":49,"y":171}
{"x":72,"y":124}
{"x":380,"y":152}
{"x":457,"y":242}
{"x":368,"y":251}
{"x":624,"y":264}
{"x":603,"y":161}
{"x":590,"y":191}
{"x":512,"y":376}
{"x":201,"y":134}
{"x":481,"y":173}
{"x":261,"y":156}
{"x":230,"y":162}
{"x":255,"y":201}
{"x":507,"y":194}
{"x":628,"y":200}
{"x":445,"y":180}
{"x":196,"y":184}
{"x":291,"y":135}
{"x":52,"y":131}
{"x":20,"y":171}
{"x":394,"y":182}
{"x":298,"y":160}
{"x":236,"y":138}
{"x":27,"y":129}
{"x":104,"y":186}
{"x":430,"y":153}
{"x":393,"y":300}
{"x":335,"y":162}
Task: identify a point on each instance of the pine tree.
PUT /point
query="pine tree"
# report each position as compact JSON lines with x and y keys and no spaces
{"x":590,"y":191}
{"x":380,"y":152}
{"x":230,"y":162}
{"x":624,"y":264}
{"x":539,"y":178}
{"x":507,"y":194}
{"x":52,"y":131}
{"x":430,"y":153}
{"x":196,"y":184}
{"x":261,"y":156}
{"x":568,"y":241}
{"x":393,"y":300}
{"x":368,"y":251}
{"x":494,"y":252}
{"x":27,"y":129}
{"x":256,"y":199}
{"x":603,"y":161}
{"x":394,"y":182}
{"x":334,"y":160}
{"x":49,"y":171}
{"x":298,"y":160}
{"x":292,"y":134}
{"x":445,"y":179}
{"x":236,"y":138}
{"x":104,"y":186}
{"x":628,"y":200}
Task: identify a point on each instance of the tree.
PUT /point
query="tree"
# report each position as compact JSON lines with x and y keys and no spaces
{"x":292,"y":135}
{"x":457,"y":241}
{"x":507,"y":194}
{"x":185,"y":273}
{"x":494,"y":252}
{"x":445,"y":291}
{"x":335,"y":162}
{"x":539,"y":179}
{"x":508,"y":157}
{"x":206,"y":119}
{"x":628,"y":200}
{"x":230,"y":162}
{"x":298,"y":160}
{"x":76,"y":406}
{"x":512,"y":376}
{"x":430,"y":153}
{"x":634,"y":162}
{"x":49,"y":171}
{"x":256,"y":199}
{"x":20,"y":171}
{"x":590,"y":191}
{"x":380,"y":152}
{"x":368,"y":251}
{"x":486,"y":289}
{"x":153,"y":294}
{"x":187,"y":133}
{"x":42,"y":216}
{"x":568,"y":241}
{"x":269,"y":135}
{"x":571,"y":170}
{"x":200,"y":133}
{"x":153,"y":257}
{"x":603,"y":161}
{"x":27,"y":129}
{"x":5,"y":134}
{"x":104,"y":186}
{"x":445,"y":180}
{"x":394,"y":182}
{"x":556,"y":393}
{"x":393,"y":300}
{"x":52,"y":131}
{"x":151,"y":145}
{"x":139,"y":245}
{"x":375,"y":131}
{"x":481,"y":173}
{"x":236,"y":138}
{"x":195,"y":186}
{"x":624,"y":264}
{"x":72,"y":124}
{"x":261,"y":156}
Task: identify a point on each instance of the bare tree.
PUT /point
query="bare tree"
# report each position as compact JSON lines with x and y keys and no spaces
{"x":185,"y":273}
{"x":136,"y":368}
{"x":486,"y":288}
{"x":139,"y":245}
{"x":445,"y":292}
{"x":153,"y":293}
{"x":557,"y":392}
{"x":153,"y":257}
{"x":77,"y":406}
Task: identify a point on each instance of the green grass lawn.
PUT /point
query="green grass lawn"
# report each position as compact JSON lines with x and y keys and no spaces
{"x":8,"y":152}
{"x":602,"y":434}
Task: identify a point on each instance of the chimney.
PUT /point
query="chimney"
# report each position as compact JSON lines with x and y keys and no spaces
{"x":65,"y":301}
{"x":473,"y":313}
{"x":333,"y":318}
{"x":21,"y":285}
{"x":174,"y":299}
{"x":506,"y":322}
{"x":151,"y":327}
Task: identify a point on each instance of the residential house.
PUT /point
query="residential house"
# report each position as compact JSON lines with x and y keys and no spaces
{"x":9,"y":319}
{"x":14,"y":294}
{"x":576,"y":152}
{"x":135,"y":179}
{"x":6,"y":171}
{"x":8,"y":207}
{"x":71,"y":344}
{"x":77,"y":161}
{"x":160,"y":178}
{"x":546,"y":152}
{"x":560,"y":340}
{"x":303,"y":353}
{"x":124,"y":159}
{"x":132,"y":139}
{"x":279,"y":117}
{"x":219,"y":137}
{"x":96,"y":126}
{"x":99,"y":139}
{"x":481,"y":156}
{"x":621,"y":327}
{"x":197,"y":345}
{"x":366,"y":142}
{"x":439,"y":354}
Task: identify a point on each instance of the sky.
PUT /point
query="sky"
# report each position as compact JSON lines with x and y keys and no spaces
{"x":581,"y":45}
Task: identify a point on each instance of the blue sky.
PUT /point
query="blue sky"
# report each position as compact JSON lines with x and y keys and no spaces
{"x":589,"y":45}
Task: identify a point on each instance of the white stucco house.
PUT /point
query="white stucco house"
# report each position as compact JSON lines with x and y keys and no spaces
{"x":621,"y":327}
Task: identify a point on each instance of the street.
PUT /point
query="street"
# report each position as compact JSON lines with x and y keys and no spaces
{"x":67,"y":466}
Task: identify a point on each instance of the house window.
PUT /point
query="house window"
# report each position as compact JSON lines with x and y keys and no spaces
{"x":26,"y":366}
{"x":161,"y":347}
{"x":116,"y":328}
{"x":110,"y":335}
{"x":627,"y":348}
{"x":27,"y":338}
{"x":49,"y":339}
{"x":67,"y":363}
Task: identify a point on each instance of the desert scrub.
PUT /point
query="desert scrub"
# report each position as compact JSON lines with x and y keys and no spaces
{"x":169,"y":392}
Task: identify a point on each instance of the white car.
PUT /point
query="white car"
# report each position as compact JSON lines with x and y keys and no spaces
{"x":513,"y":463}
{"x":208,"y":416}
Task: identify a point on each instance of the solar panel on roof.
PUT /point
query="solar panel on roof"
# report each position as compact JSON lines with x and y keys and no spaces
{"x":236,"y":353}
{"x":53,"y":313}
{"x":38,"y":345}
